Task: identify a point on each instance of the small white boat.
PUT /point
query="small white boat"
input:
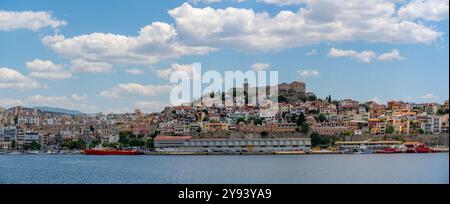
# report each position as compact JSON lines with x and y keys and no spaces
{"x":14,"y":153}
{"x":33,"y":152}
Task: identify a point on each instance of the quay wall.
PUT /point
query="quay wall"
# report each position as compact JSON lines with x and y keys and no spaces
{"x":435,"y":139}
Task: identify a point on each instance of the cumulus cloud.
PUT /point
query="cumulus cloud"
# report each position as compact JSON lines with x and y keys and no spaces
{"x":317,"y":22}
{"x":204,"y":1}
{"x":153,"y":43}
{"x":75,"y":102}
{"x":308,"y":73}
{"x":175,"y":67}
{"x":8,"y":102}
{"x":134,"y":71}
{"x":260,"y":66}
{"x":431,"y":10}
{"x":46,"y":69}
{"x":285,"y":2}
{"x":135,"y":89}
{"x":211,"y":1}
{"x":81,"y":65}
{"x":365,"y":56}
{"x":11,"y":20}
{"x":150,"y":106}
{"x":389,"y":56}
{"x":428,"y":96}
{"x":13,"y":79}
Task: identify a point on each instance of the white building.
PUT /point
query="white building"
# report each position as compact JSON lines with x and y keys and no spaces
{"x":432,"y":125}
{"x":187,"y":144}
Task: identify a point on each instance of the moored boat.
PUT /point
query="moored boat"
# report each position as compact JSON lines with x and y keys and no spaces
{"x":110,"y":152}
{"x":388,"y":150}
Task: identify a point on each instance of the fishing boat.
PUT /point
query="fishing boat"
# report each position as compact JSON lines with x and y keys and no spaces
{"x":419,"y":148}
{"x":388,"y":150}
{"x":110,"y":152}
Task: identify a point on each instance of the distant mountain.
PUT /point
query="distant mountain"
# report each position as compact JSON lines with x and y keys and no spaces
{"x":59,"y":110}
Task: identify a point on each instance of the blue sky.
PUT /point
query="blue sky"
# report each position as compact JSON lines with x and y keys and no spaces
{"x":79,"y":54}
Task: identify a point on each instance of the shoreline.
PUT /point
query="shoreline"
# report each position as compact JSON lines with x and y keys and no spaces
{"x":227,"y":153}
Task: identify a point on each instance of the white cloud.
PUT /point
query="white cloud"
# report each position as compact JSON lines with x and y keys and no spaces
{"x":7,"y":102}
{"x":389,"y":56}
{"x":284,"y":2}
{"x":11,"y":20}
{"x":311,"y":52}
{"x":134,"y":71}
{"x":365,"y":56}
{"x":317,"y":22}
{"x":211,"y":1}
{"x":75,"y":102}
{"x":134,"y":89}
{"x":81,"y":65}
{"x":204,"y":1}
{"x":175,"y":67}
{"x":431,"y":10}
{"x":46,"y":69}
{"x":308,"y":73}
{"x":428,"y":96}
{"x":79,"y":97}
{"x":260,"y":66}
{"x":155,"y":42}
{"x":376,"y":100}
{"x":150,"y":106}
{"x":12,"y":79}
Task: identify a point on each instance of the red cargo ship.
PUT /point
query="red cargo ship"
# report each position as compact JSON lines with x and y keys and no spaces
{"x":110,"y":152}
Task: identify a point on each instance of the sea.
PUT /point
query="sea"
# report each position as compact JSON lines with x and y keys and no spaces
{"x":430,"y":168}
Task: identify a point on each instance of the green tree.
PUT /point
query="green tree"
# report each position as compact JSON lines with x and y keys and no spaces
{"x":390,"y":129}
{"x":33,"y":146}
{"x":304,"y":128}
{"x":312,"y":97}
{"x":257,"y":121}
{"x":94,"y":143}
{"x":241,"y":119}
{"x":421,"y":131}
{"x":150,"y":143}
{"x":282,"y":99}
{"x":301,"y":119}
{"x":264,"y":134}
{"x":136,"y":143}
{"x":321,"y":117}
{"x":398,"y":138}
{"x":13,"y":144}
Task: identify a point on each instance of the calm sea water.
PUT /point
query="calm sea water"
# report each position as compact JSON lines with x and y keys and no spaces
{"x":376,"y":168}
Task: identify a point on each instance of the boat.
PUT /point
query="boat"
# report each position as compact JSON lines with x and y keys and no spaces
{"x":360,"y":150}
{"x":33,"y":152}
{"x":110,"y":152}
{"x":388,"y":150}
{"x":14,"y":153}
{"x":419,"y":148}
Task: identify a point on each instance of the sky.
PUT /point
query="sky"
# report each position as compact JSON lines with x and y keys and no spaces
{"x":117,"y":55}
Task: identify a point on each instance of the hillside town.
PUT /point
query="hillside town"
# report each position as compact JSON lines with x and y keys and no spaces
{"x":300,"y":115}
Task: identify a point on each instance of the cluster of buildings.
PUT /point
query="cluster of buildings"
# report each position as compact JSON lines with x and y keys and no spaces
{"x":20,"y":126}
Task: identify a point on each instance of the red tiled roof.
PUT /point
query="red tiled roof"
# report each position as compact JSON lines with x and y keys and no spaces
{"x":173,"y":138}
